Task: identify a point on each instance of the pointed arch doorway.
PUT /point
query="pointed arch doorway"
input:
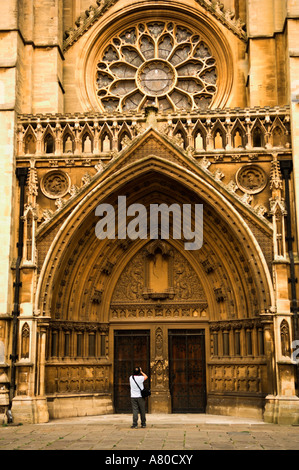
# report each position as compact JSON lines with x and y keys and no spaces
{"x":159,"y":321}
{"x":205,"y":289}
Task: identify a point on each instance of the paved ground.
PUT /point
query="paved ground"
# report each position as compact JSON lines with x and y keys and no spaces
{"x":185,"y":433}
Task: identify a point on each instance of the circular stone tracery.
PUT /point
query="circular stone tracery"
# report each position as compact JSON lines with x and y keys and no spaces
{"x":165,"y":64}
{"x":156,"y":78}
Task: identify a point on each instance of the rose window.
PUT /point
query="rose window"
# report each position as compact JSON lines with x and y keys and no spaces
{"x":160,"y":64}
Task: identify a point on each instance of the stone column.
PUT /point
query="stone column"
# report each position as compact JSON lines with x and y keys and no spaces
{"x":42,"y":354}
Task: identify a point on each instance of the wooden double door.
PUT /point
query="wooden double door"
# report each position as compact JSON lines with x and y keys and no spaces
{"x":186,"y":367}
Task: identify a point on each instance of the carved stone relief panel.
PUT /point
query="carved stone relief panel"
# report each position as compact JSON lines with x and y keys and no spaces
{"x":236,"y":378}
{"x":159,"y":284}
{"x":251,"y":179}
{"x":131,"y":283}
{"x":55,"y":184}
{"x":75,"y":379}
{"x":159,"y":366}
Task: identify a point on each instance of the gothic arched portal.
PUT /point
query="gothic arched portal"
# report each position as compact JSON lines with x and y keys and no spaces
{"x":102,"y":287}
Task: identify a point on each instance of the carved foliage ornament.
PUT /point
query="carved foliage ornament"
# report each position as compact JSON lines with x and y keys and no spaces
{"x":161,"y":64}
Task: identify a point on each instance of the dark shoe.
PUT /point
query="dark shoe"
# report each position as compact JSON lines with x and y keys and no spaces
{"x":133,"y":427}
{"x":143,"y":425}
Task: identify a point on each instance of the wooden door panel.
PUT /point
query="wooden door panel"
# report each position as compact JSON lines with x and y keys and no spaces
{"x":187,"y":370}
{"x":131,"y":348}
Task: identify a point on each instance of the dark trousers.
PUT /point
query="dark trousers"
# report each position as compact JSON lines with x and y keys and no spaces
{"x":138,"y":406}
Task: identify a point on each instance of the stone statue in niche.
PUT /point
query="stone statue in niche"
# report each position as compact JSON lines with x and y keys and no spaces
{"x":30,"y":145}
{"x":87,"y":145}
{"x":158,"y":269}
{"x":68,"y":146}
{"x":106,"y":146}
{"x":25,"y":341}
{"x":199,"y":144}
{"x":179,"y":139}
{"x":158,"y":273}
{"x":159,"y":343}
{"x":285,"y":338}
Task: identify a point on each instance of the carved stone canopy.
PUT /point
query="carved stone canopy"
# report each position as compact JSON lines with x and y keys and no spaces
{"x":165,"y":248}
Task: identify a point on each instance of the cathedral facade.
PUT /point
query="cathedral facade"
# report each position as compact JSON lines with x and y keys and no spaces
{"x":131,"y":105}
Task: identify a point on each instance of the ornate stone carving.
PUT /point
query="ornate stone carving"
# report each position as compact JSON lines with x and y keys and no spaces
{"x":97,"y":296}
{"x":206,"y":264}
{"x":75,"y":379}
{"x":167,"y":310}
{"x":86,"y":178}
{"x":159,"y":343}
{"x":107,"y":268}
{"x":133,"y":281}
{"x":32,"y":183}
{"x":159,"y":372}
{"x":219,"y":294}
{"x":25,"y":335}
{"x":162,"y":64}
{"x":107,"y":136}
{"x":55,"y":184}
{"x":67,"y":325}
{"x":251,"y":179}
{"x":285,"y":338}
{"x":236,"y":378}
{"x":184,"y":296}
{"x":91,"y":15}
{"x":159,"y":367}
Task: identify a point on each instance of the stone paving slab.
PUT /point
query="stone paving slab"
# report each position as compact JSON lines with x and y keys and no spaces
{"x":163,"y":433}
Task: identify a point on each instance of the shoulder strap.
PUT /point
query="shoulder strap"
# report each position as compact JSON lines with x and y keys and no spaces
{"x":136,"y":382}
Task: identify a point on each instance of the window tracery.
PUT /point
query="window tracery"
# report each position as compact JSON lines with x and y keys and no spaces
{"x":162,"y":64}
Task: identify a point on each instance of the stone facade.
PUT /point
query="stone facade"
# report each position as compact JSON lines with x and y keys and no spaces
{"x":162,"y":101}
